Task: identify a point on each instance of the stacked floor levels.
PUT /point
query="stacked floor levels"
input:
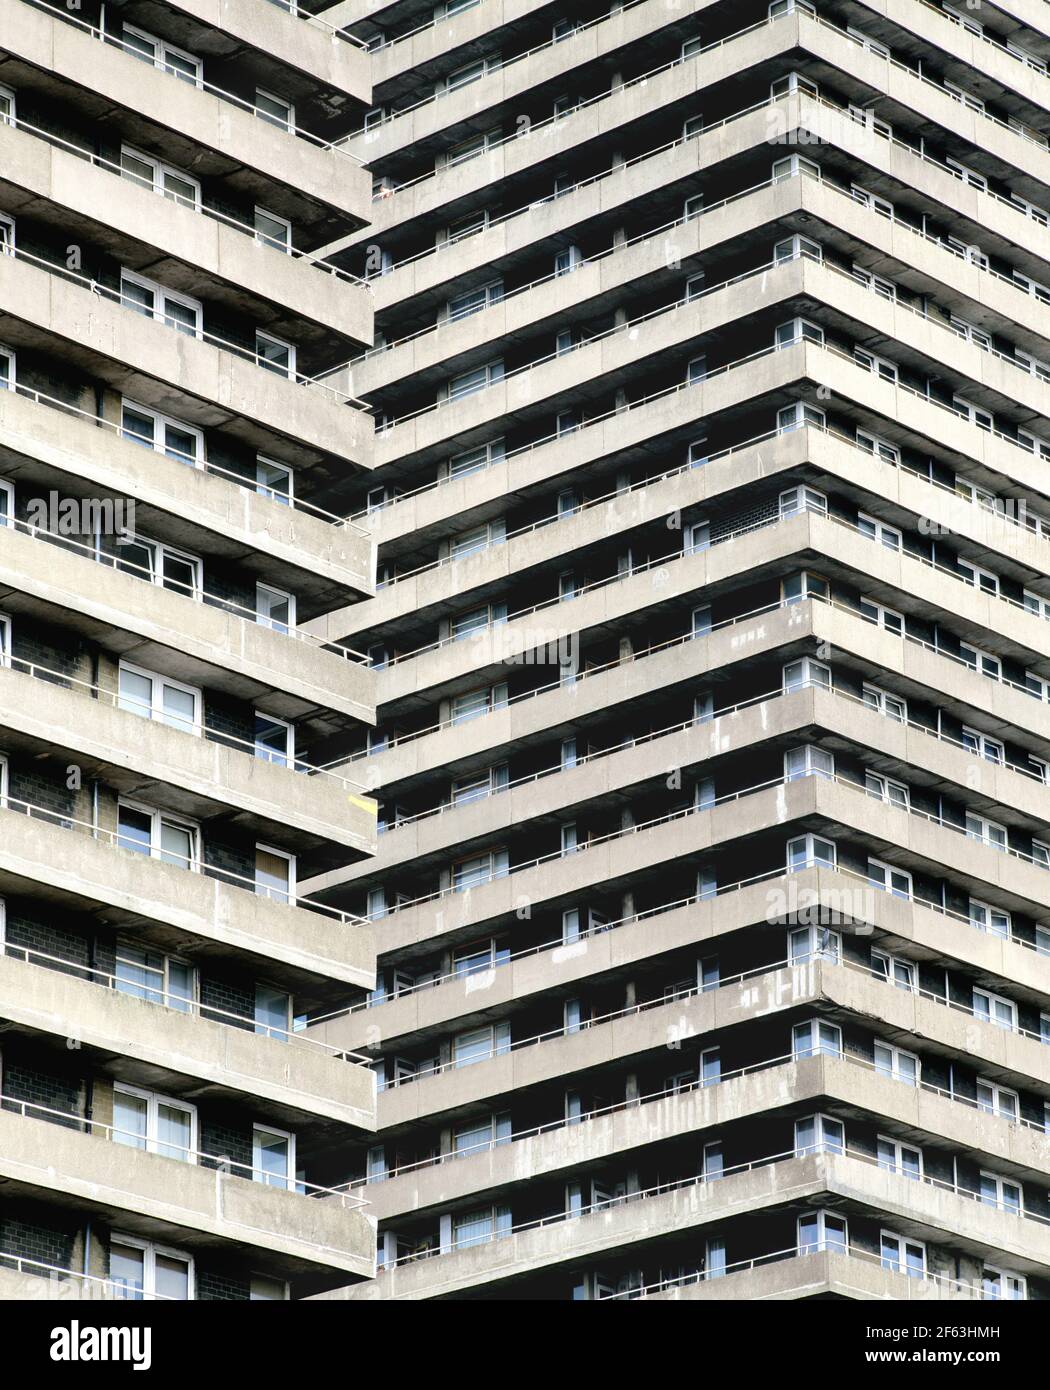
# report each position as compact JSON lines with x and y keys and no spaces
{"x":711,"y":488}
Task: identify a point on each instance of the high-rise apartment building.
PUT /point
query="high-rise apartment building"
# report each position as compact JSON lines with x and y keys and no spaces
{"x":172,"y":517}
{"x":711,"y":490}
{"x":703,"y":684}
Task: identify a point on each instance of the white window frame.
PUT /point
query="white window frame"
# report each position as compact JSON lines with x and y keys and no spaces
{"x":871,"y":528}
{"x":161,"y":295}
{"x":157,"y":819}
{"x":893,"y":1071}
{"x":156,"y":711}
{"x":150,"y":1251}
{"x":886,"y":618}
{"x":898,"y":1263}
{"x":993,"y":1103}
{"x":263,"y":619}
{"x":288,"y":1182}
{"x":811,"y":673}
{"x":159,"y":553}
{"x":154,"y":1100}
{"x":880,"y":367}
{"x":283,"y":497}
{"x":987,"y":831}
{"x":267,"y":364}
{"x":264,"y":238}
{"x":895,"y":794}
{"x":160,"y":424}
{"x":809,"y":842}
{"x":837,"y":1245}
{"x":7,"y":227}
{"x":806,"y":944}
{"x":167,"y":997}
{"x":896,"y":1165}
{"x":989,"y":912}
{"x":277,"y":895}
{"x":898,"y":971}
{"x":880,"y":700}
{"x":881,"y":448}
{"x":159,"y":60}
{"x":816,"y":1037}
{"x":822,"y":1143}
{"x":992,"y":750}
{"x":895,"y":881}
{"x":279,"y":122}
{"x":160,"y":172}
{"x":992,"y":1004}
{"x":1006,"y":1277}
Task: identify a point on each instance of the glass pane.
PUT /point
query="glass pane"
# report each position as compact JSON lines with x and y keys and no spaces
{"x":271,"y":740}
{"x":271,"y":1158}
{"x":179,"y":189}
{"x":134,"y":830}
{"x":136,"y":694}
{"x":273,"y":481}
{"x":137,"y":297}
{"x":126,"y":1270}
{"x":180,"y":316}
{"x":272,"y":875}
{"x":271,"y":1012}
{"x":129,"y":1120}
{"x":176,"y":845}
{"x":180,"y":444}
{"x":139,"y":973}
{"x":180,"y":986}
{"x":138,"y":427}
{"x":180,"y":708}
{"x":174,"y":1132}
{"x":171,"y":1277}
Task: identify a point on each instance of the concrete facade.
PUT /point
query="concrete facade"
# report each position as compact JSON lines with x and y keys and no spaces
{"x":711,"y":891}
{"x":587,"y":737}
{"x":172,"y":514}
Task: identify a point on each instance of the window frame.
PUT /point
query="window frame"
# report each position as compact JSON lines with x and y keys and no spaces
{"x":151,"y":1143}
{"x":156,"y":712}
{"x":160,"y":424}
{"x":157,"y":819}
{"x":160,"y":171}
{"x":151,"y":1249}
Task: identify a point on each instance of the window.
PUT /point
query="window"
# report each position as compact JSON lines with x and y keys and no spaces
{"x":169,"y":182}
{"x":273,"y":1157}
{"x":479,"y":869}
{"x":274,"y":355}
{"x":797,"y":416}
{"x":1000,"y":1283}
{"x":798,"y":330}
{"x":155,"y":697}
{"x":896,"y":1064}
{"x":874,"y":530}
{"x":272,"y":230}
{"x":274,"y":608}
{"x":274,"y":740}
{"x":802,"y":586}
{"x":989,"y":919}
{"x":7,"y":369}
{"x":793,"y":248}
{"x":474,"y":460}
{"x":160,"y":564}
{"x":895,"y":970}
{"x":1037,"y":604}
{"x":470,"y":148}
{"x":807,"y":761}
{"x":479,"y":957}
{"x":153,"y":301}
{"x":792,"y":82}
{"x":803,"y":499}
{"x":816,"y":1039}
{"x":465,"y":625}
{"x":473,"y":301}
{"x":794,"y":165}
{"x":469,"y":225}
{"x":993,"y":1008}
{"x":818,"y":1134}
{"x":968,"y":175}
{"x":162,"y":433}
{"x":273,"y":1012}
{"x":158,"y":835}
{"x":885,"y":789}
{"x":473,"y":703}
{"x":820,"y":1231}
{"x":989,"y":832}
{"x":467,"y":383}
{"x":479,"y":1227}
{"x":978,"y":660}
{"x":274,"y":874}
{"x":7,"y":106}
{"x":867,"y":199}
{"x":887,"y":618}
{"x":800,"y":675}
{"x":1000,"y":1192}
{"x":814,"y":943}
{"x":810,"y":851}
{"x":976,"y":416}
{"x":480,"y":784}
{"x":984,"y":747}
{"x":274,"y":480}
{"x":903,"y":1256}
{"x":480,"y":1135}
{"x":893,"y":706}
{"x":161,"y":54}
{"x":891,"y":880}
{"x":154,"y":1123}
{"x":274,"y":109}
{"x":140,"y":1270}
{"x":982,"y":579}
{"x":480,"y":1044}
{"x":899,"y":1158}
{"x":151,"y":975}
{"x":881,"y":367}
{"x":961,"y":18}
